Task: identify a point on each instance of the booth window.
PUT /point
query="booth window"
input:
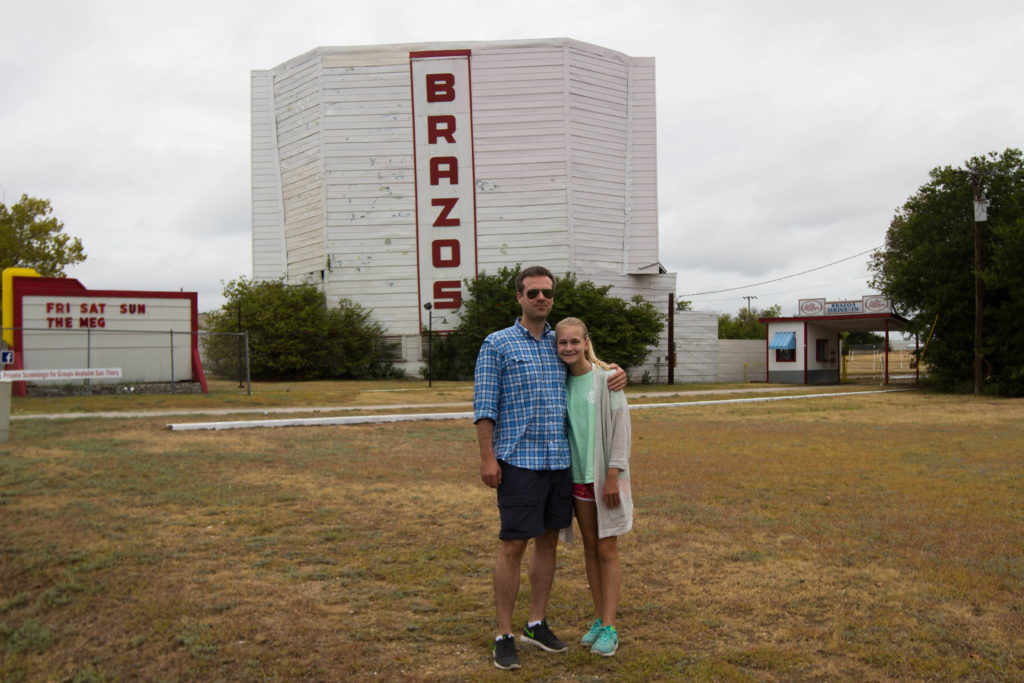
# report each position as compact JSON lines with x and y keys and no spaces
{"x":821,"y":350}
{"x":784,"y":344}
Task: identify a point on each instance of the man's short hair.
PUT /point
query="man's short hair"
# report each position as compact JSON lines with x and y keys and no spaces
{"x":533,"y":271}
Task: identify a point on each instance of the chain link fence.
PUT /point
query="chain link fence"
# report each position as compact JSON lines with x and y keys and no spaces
{"x":867,"y":362}
{"x":157,"y":358}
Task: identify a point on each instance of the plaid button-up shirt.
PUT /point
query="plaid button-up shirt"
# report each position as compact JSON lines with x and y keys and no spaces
{"x":520,"y":384}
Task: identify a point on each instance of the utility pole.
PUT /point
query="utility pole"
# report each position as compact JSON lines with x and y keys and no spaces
{"x":980,"y":214}
{"x":748,"y":298}
{"x":430,"y":344}
{"x":240,"y":368}
{"x":671,"y":338}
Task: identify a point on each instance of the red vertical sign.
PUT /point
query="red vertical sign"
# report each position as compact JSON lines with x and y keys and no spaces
{"x":445,"y":180}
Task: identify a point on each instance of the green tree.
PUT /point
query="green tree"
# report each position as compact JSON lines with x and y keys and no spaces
{"x":745,"y":324}
{"x":622,"y":331}
{"x":292,"y":333}
{"x":1005,"y":338}
{"x":926,"y":267}
{"x":30,"y":237}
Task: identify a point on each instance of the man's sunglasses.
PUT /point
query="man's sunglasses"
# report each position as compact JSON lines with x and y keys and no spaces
{"x":532,"y":293}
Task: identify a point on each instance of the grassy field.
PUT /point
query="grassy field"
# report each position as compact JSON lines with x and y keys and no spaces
{"x":874,"y":537}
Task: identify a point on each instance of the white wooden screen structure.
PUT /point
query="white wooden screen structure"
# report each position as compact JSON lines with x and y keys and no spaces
{"x":561,"y":172}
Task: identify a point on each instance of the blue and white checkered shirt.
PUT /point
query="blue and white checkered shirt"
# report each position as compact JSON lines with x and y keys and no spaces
{"x":520,"y":384}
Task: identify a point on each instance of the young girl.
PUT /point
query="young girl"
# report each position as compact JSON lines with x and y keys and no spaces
{"x":599,"y":439}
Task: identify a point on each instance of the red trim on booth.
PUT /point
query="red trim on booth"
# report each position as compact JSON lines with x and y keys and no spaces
{"x":827,"y":318}
{"x":885,"y":358}
{"x":805,"y":353}
{"x":197,"y":370}
{"x":767,"y":356}
{"x":839,"y":358}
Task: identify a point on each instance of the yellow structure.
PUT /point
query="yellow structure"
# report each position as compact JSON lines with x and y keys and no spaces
{"x":8,"y":302}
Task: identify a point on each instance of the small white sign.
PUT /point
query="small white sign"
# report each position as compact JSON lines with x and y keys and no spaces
{"x":876,"y":304}
{"x":811,"y":306}
{"x":59,"y":375}
{"x":981,"y":210}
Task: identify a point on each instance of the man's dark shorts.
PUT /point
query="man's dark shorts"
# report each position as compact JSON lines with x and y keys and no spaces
{"x":532,"y":501}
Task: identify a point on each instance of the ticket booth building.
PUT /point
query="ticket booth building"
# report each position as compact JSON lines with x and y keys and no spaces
{"x":807,"y":349}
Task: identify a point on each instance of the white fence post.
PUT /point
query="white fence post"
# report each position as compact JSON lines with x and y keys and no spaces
{"x":5,"y":410}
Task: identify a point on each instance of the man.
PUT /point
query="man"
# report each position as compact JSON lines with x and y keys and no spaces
{"x":519,"y":412}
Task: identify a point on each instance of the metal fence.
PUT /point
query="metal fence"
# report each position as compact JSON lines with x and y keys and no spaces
{"x":867,"y":362}
{"x":146,"y":356}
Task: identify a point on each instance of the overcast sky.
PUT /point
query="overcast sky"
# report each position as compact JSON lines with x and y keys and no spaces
{"x":788,"y":132}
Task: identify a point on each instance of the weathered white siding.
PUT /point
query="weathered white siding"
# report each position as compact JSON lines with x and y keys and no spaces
{"x":371,"y":200}
{"x":598,"y":129}
{"x":268,"y":243}
{"x":696,"y":337}
{"x":642,"y":207}
{"x":520,"y":150}
{"x":298,"y":102}
{"x":735,"y":354}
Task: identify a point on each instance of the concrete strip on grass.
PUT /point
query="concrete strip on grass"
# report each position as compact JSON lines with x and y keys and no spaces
{"x":421,"y":417}
{"x":317,"y":421}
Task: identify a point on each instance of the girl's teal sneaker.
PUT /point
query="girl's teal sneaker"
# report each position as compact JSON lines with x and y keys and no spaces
{"x":607,"y":643}
{"x":591,"y":636}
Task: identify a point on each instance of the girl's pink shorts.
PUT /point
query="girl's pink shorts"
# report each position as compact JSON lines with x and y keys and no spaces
{"x":583,"y":491}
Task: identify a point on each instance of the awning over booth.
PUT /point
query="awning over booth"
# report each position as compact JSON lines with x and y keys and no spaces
{"x":783,"y":340}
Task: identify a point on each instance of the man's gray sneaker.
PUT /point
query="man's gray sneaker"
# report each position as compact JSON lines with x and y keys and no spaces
{"x":541,"y":636}
{"x":505,"y":656}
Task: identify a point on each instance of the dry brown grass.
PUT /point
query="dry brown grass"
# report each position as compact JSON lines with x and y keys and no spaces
{"x":875,"y":537}
{"x":226,"y":394}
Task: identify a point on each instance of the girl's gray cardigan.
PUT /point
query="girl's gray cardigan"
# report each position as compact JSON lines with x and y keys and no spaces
{"x":611,"y":449}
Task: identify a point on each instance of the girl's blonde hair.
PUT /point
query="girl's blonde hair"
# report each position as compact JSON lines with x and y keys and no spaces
{"x":589,"y":351}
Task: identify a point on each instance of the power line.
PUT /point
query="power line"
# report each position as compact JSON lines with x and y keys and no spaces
{"x":784,"y":277}
{"x":778,"y":292}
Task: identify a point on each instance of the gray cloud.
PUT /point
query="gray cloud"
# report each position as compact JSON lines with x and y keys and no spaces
{"x":789,"y":132}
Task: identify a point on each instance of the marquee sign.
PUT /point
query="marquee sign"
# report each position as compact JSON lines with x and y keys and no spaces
{"x":445,"y":177}
{"x":842,"y":307}
{"x":127,"y":335}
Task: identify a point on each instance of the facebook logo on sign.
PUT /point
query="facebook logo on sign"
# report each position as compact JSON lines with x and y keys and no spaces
{"x":7,"y":357}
